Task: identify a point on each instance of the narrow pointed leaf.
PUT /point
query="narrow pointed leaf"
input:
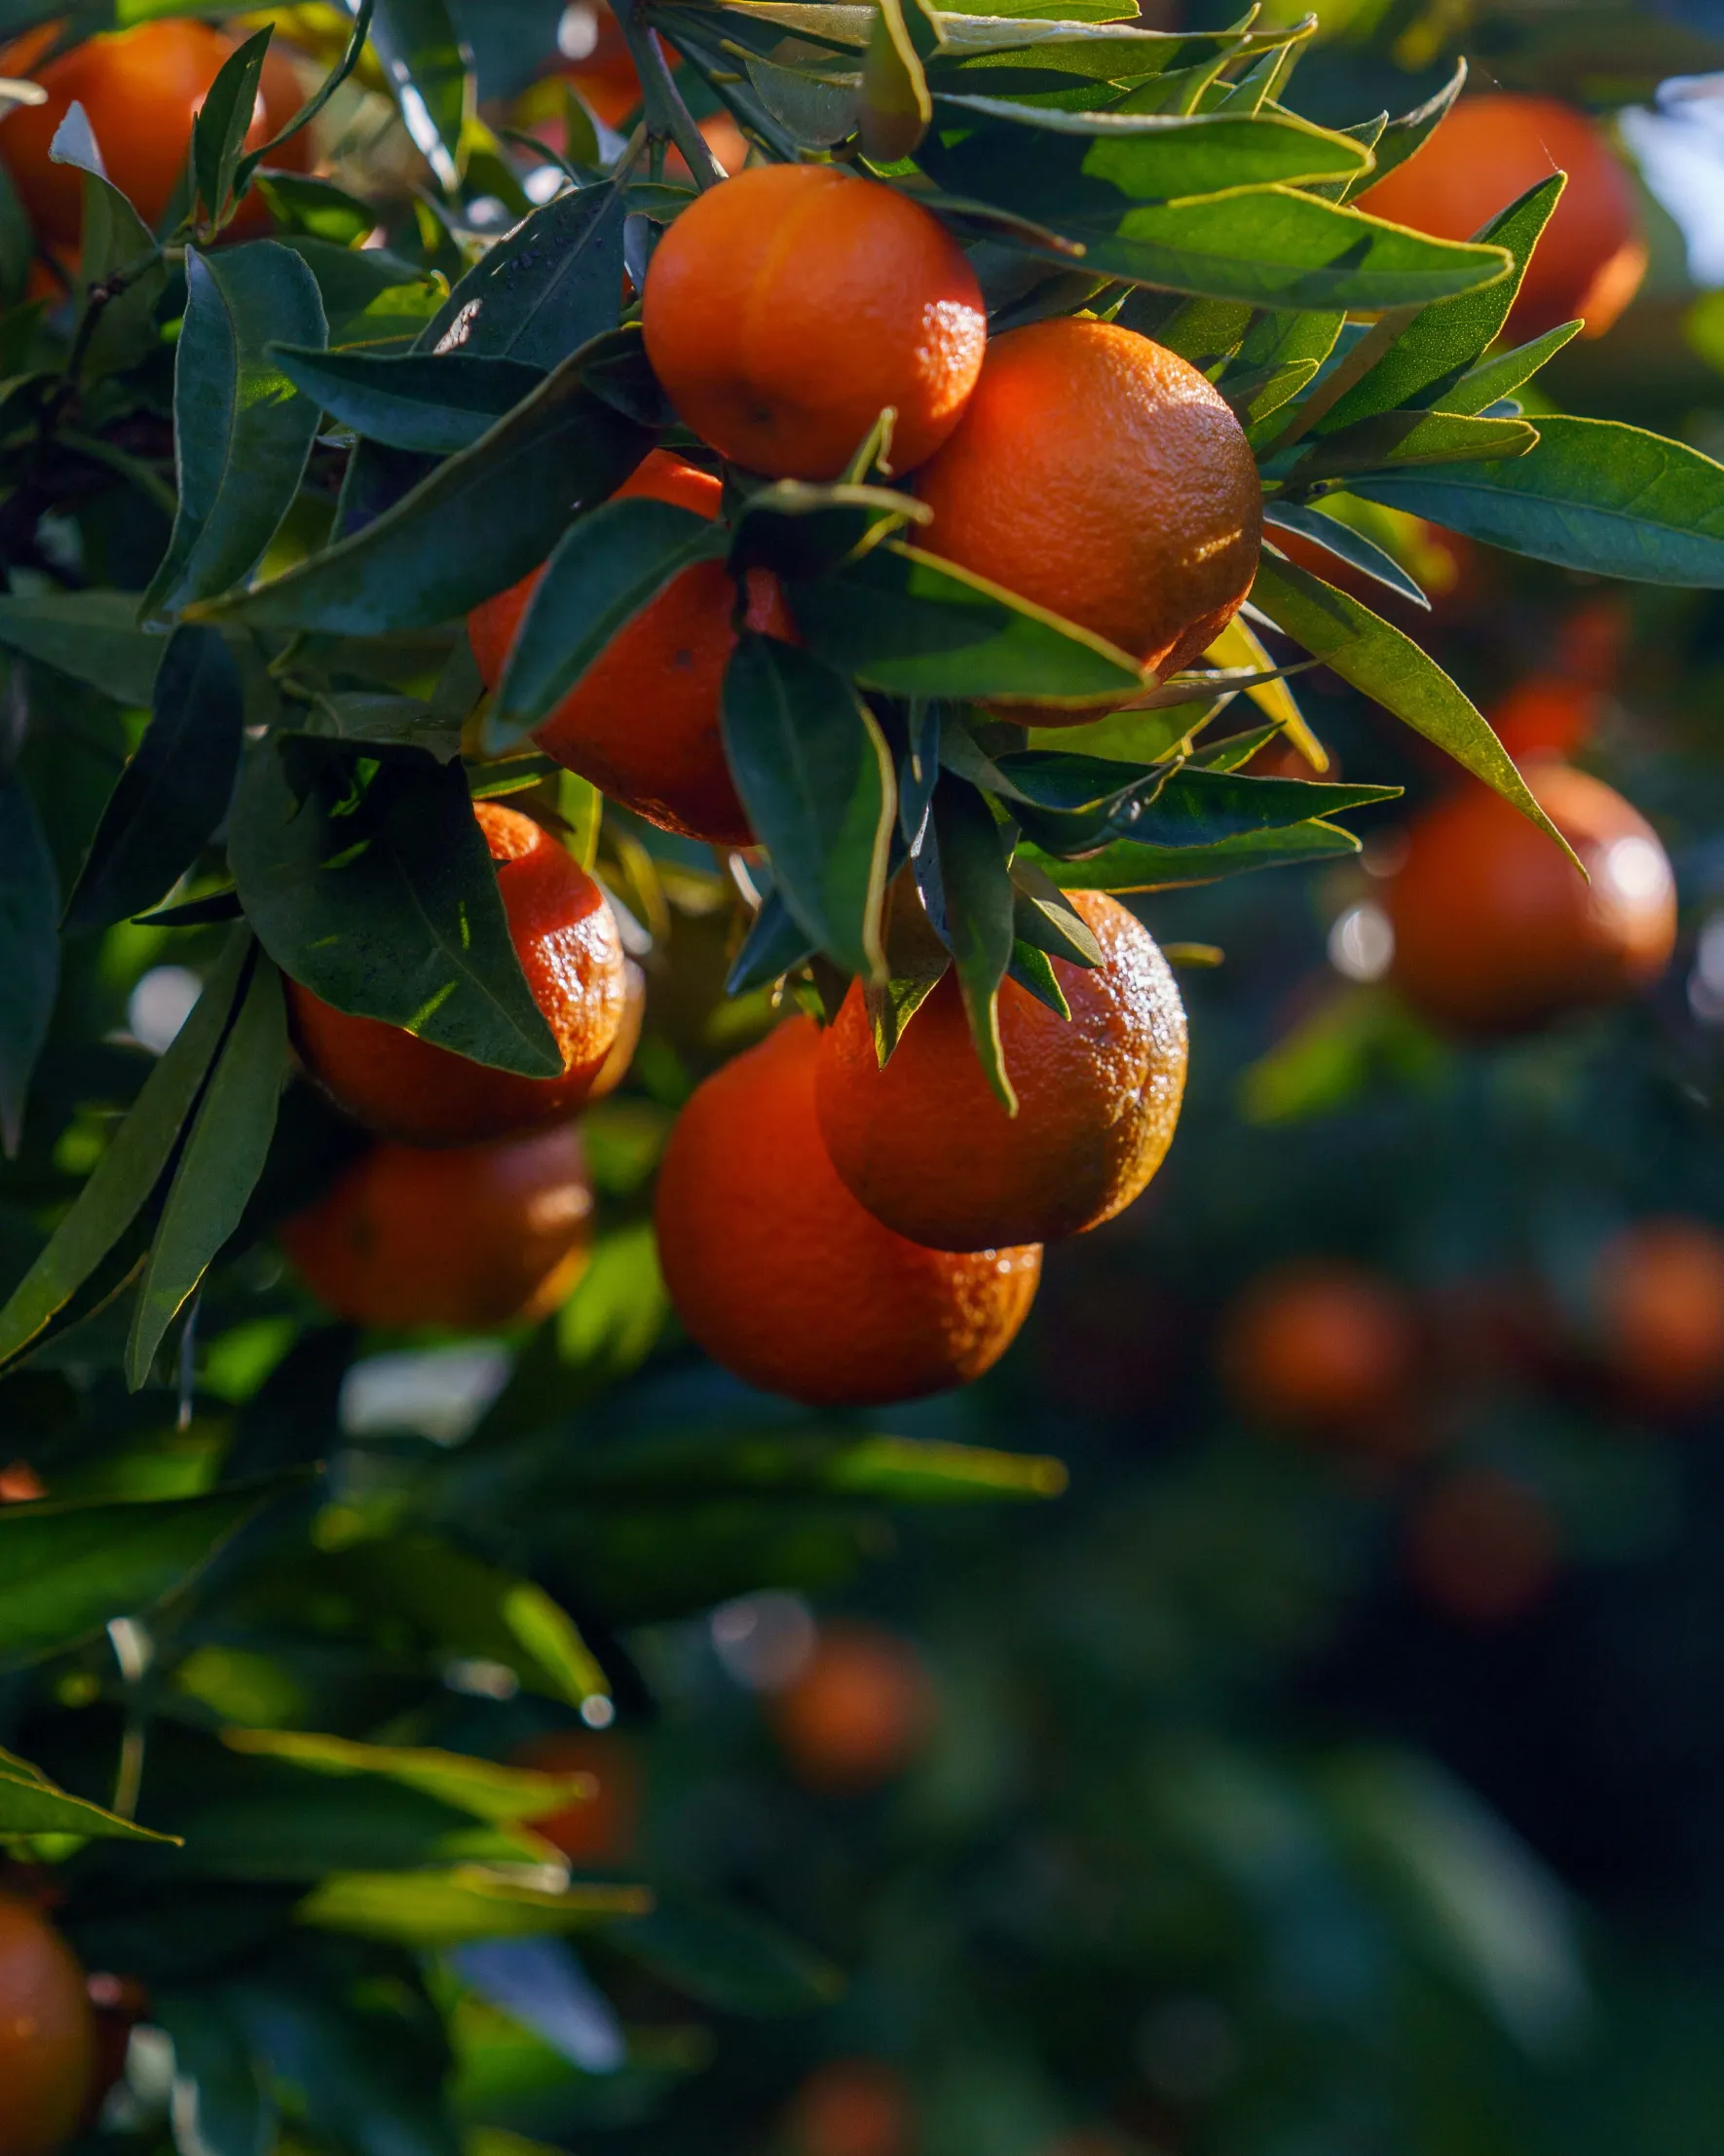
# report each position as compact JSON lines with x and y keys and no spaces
{"x":93,"y":636}
{"x":776,"y":944}
{"x":31,"y":1804}
{"x":1126,"y":865}
{"x":1346,"y":544}
{"x":430,"y":67}
{"x":1504,"y":372}
{"x":411,"y":400}
{"x":1393,"y":440}
{"x":319,"y":98}
{"x":545,"y":289}
{"x":975,"y":921}
{"x":29,"y":950}
{"x":223,"y":121}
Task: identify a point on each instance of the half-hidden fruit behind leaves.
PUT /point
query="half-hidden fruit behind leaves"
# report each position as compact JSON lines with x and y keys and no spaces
{"x":1100,"y":476}
{"x":786,"y":308}
{"x":1482,"y":1548}
{"x":784,"y":1279}
{"x":856,"y":1712}
{"x":643,"y":722}
{"x":601,"y":65}
{"x":1659,"y":1291}
{"x":46,"y":2034}
{"x":1495,"y":932}
{"x":141,"y":90}
{"x":565,"y":936}
{"x":1322,"y":1348}
{"x":467,"y":1236}
{"x":926,"y":1146}
{"x":1589,"y":258}
{"x":603,"y":1827}
{"x":850,"y":2107}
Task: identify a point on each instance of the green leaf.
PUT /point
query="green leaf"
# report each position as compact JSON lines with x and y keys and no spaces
{"x":913,"y":625}
{"x":502,"y":1795}
{"x":119,"y":254}
{"x":174,"y":792}
{"x":242,"y":432}
{"x":29,"y":950}
{"x":68,"y":1571}
{"x":433,"y":1909}
{"x":1377,"y":659}
{"x":122,"y":1182}
{"x":1032,"y":970}
{"x":775,"y":944}
{"x":1504,"y":372}
{"x":476,"y":524}
{"x":815,"y":775}
{"x":728,"y":1959}
{"x":797,"y":529}
{"x":93,"y":636}
{"x":894,"y":1470}
{"x":220,"y":2105}
{"x":31,"y":1804}
{"x":1126,"y":865}
{"x":1594,"y":495}
{"x":1439,"y":345}
{"x":545,"y":289}
{"x":431,"y":66}
{"x":1199,"y":807}
{"x":1346,"y":544}
{"x":1395,"y":440}
{"x":971,"y":904}
{"x":315,"y":208}
{"x":219,"y":1169}
{"x":389,"y":906}
{"x":1412,"y":130}
{"x":410,"y":400}
{"x":1130,"y":157}
{"x":611,"y":563}
{"x":223,"y":121}
{"x":319,"y":98}
{"x":370,"y":296}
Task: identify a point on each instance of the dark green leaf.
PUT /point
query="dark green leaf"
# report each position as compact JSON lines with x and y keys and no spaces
{"x":319,"y":98}
{"x":221,"y":2107}
{"x":223,"y":121}
{"x":1346,"y":544}
{"x":1032,"y":970}
{"x":775,"y":944}
{"x":315,"y":208}
{"x":93,"y":636}
{"x":242,"y":432}
{"x":1504,"y":372}
{"x":545,"y":289}
{"x":913,"y":625}
{"x":1377,"y":659}
{"x":800,"y":530}
{"x":174,"y":792}
{"x":219,"y":1168}
{"x":370,"y":296}
{"x":611,"y":563}
{"x":430,"y":67}
{"x":66,"y":1570}
{"x":898,"y":1470}
{"x":1126,"y":865}
{"x":476,"y":524}
{"x":1137,"y":158}
{"x":31,"y":1804}
{"x":815,"y":775}
{"x":974,"y":920}
{"x":122,"y":1182}
{"x":1046,"y":920}
{"x":433,"y":1909}
{"x":387,"y":907}
{"x":1594,"y":495}
{"x":29,"y":950}
{"x":1199,"y":807}
{"x":727,"y":1959}
{"x":1411,"y":129}
{"x":411,"y":400}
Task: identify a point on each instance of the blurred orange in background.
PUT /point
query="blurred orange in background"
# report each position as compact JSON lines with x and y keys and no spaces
{"x":857,"y":1712}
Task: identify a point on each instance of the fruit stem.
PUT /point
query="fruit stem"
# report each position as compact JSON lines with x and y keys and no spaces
{"x":666,"y":113}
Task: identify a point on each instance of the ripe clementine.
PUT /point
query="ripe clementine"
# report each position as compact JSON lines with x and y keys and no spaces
{"x":615,"y":1066}
{"x":858,"y":1710}
{"x":1487,"y":152}
{"x":1101,"y":476}
{"x":604,"y":1828}
{"x":643,"y":723}
{"x":565,"y":936}
{"x":19,"y":1484}
{"x":781,"y":1276}
{"x":141,"y":90}
{"x":784,"y":310}
{"x":927,"y":1149}
{"x":469,"y":1236}
{"x":850,"y":2107}
{"x":46,"y":2034}
{"x":1482,"y":1547}
{"x":1659,"y":1288}
{"x":1324,"y":1348}
{"x":1495,"y":933}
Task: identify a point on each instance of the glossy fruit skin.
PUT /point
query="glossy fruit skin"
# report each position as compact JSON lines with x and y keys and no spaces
{"x":1591,"y":256}
{"x":850,"y":2107}
{"x":1320,"y":1347}
{"x":566,"y":937}
{"x":603,"y":1828}
{"x":1497,"y":933}
{"x":642,"y":725}
{"x":466,"y":1236}
{"x":857,"y":1711}
{"x":46,"y":2034}
{"x":140,"y":90}
{"x":1101,"y":476}
{"x":784,"y":1279}
{"x":1658,"y":1286}
{"x":926,"y":1146}
{"x":784,"y":308}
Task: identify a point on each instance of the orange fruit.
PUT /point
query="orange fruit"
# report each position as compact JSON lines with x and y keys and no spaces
{"x":784,"y":1279}
{"x":468,"y":1236}
{"x":786,"y":308}
{"x":604,"y":1828}
{"x":1495,"y":933}
{"x":1659,"y":1287}
{"x":643,"y":723}
{"x":1321,"y":1347}
{"x":1545,"y":715}
{"x":141,"y":90}
{"x":858,"y":1710}
{"x":927,"y":1149}
{"x":565,"y":936}
{"x":46,"y":2034}
{"x":850,"y":2107}
{"x":19,"y":1484}
{"x":1592,"y":254}
{"x":1101,"y":476}
{"x":1482,"y":1548}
